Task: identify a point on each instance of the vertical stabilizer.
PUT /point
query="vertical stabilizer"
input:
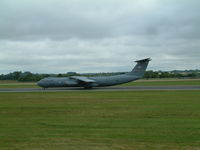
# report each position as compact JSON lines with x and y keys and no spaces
{"x":140,"y":67}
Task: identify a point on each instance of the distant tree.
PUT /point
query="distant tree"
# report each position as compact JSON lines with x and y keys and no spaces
{"x":28,"y":76}
{"x":59,"y":75}
{"x":151,"y":74}
{"x":16,"y":75}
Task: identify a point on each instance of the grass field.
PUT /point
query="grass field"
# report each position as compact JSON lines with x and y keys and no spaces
{"x":15,"y":84}
{"x":129,"y":120}
{"x":164,"y":82}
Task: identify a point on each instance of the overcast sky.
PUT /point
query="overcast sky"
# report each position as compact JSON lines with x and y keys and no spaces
{"x":58,"y":36}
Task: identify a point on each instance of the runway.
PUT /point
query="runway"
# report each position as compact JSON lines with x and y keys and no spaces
{"x":112,"y":88}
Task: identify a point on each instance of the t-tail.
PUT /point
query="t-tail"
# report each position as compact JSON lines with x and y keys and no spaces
{"x":140,"y":68}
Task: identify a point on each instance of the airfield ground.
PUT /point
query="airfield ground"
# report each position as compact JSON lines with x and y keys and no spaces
{"x":100,"y":120}
{"x":155,"y":82}
{"x":165,"y":82}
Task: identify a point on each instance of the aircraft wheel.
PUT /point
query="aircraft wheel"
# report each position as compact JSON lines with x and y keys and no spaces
{"x":88,"y":87}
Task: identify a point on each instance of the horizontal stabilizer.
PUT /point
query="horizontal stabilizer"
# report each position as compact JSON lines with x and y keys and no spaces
{"x":144,"y":60}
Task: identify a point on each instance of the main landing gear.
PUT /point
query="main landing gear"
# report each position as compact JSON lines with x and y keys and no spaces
{"x":87,"y":87}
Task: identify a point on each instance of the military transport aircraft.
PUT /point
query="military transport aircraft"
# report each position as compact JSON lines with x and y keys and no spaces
{"x":89,"y":82}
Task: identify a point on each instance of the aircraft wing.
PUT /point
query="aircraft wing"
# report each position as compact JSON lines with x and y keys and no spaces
{"x":83,"y":79}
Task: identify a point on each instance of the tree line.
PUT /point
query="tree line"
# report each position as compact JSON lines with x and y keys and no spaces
{"x":28,"y":76}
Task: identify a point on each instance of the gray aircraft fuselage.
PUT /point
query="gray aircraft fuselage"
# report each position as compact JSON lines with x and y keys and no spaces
{"x":99,"y":81}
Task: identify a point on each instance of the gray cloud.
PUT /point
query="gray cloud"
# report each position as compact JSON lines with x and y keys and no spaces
{"x":93,"y":36}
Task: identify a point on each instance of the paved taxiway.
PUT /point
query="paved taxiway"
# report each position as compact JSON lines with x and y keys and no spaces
{"x":112,"y":88}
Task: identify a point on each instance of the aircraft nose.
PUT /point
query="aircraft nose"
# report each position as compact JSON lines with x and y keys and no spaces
{"x":40,"y":83}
